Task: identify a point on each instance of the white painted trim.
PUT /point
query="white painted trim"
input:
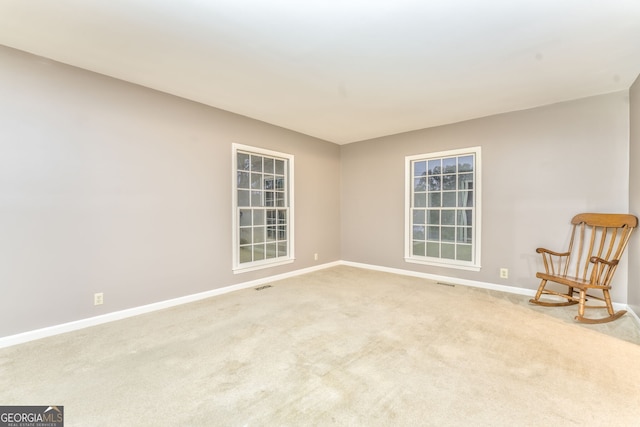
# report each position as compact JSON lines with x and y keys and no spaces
{"x":463,"y":282}
{"x":445,"y":279}
{"x":474,"y":265}
{"x":24,"y":337}
{"x":291,"y":256}
{"x":259,"y":265}
{"x":444,"y":264}
{"x":472,"y":283}
{"x":21,"y":338}
{"x":633,"y":314}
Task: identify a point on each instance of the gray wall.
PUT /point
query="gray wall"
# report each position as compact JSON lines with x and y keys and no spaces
{"x":634,"y":195}
{"x":109,"y":187}
{"x":539,"y":168}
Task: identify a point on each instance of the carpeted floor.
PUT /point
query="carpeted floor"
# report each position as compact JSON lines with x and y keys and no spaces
{"x":341,"y":346}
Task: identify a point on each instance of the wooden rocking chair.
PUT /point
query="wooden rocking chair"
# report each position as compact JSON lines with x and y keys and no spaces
{"x":596,"y":246}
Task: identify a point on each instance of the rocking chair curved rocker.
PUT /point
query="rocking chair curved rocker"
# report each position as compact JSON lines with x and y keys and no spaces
{"x":596,"y":246}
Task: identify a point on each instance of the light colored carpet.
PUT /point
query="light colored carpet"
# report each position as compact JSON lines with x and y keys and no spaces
{"x":341,"y":346}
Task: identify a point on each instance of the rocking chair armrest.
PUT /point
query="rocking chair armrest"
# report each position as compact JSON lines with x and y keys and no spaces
{"x":550,"y":252}
{"x":596,"y":260}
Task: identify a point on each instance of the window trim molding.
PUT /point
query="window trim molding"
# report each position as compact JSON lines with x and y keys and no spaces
{"x":258,"y":265}
{"x":477,"y":225}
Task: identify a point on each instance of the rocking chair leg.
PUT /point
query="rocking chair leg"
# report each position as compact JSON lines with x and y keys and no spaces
{"x":607,"y":300}
{"x":583,"y":298}
{"x":540,"y":289}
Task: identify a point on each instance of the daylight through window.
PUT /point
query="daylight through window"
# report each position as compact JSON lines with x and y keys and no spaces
{"x":443,"y":198}
{"x":263,"y":208}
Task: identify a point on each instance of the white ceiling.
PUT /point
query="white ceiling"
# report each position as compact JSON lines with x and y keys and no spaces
{"x":344,"y":70}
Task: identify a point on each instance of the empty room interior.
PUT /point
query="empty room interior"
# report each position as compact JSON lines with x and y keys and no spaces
{"x":314,"y":213}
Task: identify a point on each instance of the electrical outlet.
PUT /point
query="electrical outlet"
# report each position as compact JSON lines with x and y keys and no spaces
{"x":98,"y":298}
{"x":315,"y":257}
{"x":504,"y":273}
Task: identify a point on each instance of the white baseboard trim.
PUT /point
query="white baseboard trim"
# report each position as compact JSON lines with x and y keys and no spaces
{"x":24,"y":337}
{"x":633,"y":314}
{"x":444,"y":279}
{"x":458,"y":281}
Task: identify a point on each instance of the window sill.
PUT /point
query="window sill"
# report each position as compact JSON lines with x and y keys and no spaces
{"x":454,"y":265}
{"x":260,"y":266}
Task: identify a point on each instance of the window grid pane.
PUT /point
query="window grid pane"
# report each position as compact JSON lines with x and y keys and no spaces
{"x":263,"y":211}
{"x":259,"y":241}
{"x":445,"y":186}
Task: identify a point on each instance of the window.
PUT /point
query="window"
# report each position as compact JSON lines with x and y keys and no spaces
{"x":263,"y":208}
{"x":443,"y":209}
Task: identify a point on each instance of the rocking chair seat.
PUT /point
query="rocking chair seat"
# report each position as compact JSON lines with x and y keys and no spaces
{"x":575,"y":282}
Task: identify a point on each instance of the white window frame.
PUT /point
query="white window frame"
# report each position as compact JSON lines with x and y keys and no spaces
{"x":239,"y":267}
{"x":474,"y":264}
